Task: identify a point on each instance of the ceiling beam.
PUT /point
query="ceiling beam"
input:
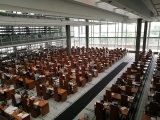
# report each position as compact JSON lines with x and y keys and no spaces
{"x":61,"y":8}
{"x":137,"y":6}
{"x":17,"y":21}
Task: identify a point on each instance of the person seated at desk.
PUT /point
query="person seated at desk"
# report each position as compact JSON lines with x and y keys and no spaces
{"x":92,"y":69}
{"x":18,"y":99}
{"x":1,"y":90}
{"x":50,"y":91}
{"x":150,"y":51}
{"x":115,"y":88}
{"x":114,"y":112}
{"x":121,"y":82}
{"x":4,"y":103}
{"x":69,"y":87}
{"x":20,"y":82}
{"x":86,"y":76}
{"x":25,"y":94}
{"x":31,"y":75}
{"x":27,"y":73}
{"x":36,"y":76}
{"x":21,"y":73}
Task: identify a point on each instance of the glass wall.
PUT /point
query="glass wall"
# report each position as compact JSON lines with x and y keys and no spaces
{"x":154,"y":36}
{"x":12,"y":35}
{"x":79,"y":36}
{"x":114,"y":34}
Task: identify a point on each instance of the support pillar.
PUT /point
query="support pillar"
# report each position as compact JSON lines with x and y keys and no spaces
{"x":87,"y":35}
{"x":138,"y":38}
{"x":15,"y":52}
{"x":68,"y":38}
{"x":145,"y":35}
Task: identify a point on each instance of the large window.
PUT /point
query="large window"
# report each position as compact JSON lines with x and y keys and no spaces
{"x":113,"y":35}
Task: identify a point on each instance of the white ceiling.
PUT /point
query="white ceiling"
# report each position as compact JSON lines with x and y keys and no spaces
{"x":156,"y":4}
{"x":66,"y":8}
{"x":133,"y":9}
{"x":109,"y":7}
{"x":88,"y":9}
{"x":17,"y":21}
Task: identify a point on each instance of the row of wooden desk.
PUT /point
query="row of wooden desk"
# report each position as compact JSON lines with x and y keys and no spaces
{"x":47,"y":65}
{"x":13,"y":112}
{"x":152,"y":109}
{"x":123,"y":92}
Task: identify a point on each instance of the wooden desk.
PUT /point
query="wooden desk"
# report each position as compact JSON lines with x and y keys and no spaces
{"x":147,"y":117}
{"x":82,"y":81}
{"x":133,"y":71}
{"x":43,"y":104}
{"x":74,"y":88}
{"x":8,"y":92}
{"x":72,"y":77}
{"x":89,"y":77}
{"x":29,"y":84}
{"x":95,"y":73}
{"x":133,"y":90}
{"x":62,"y":93}
{"x":118,"y":97}
{"x":15,"y":113}
{"x":124,"y":111}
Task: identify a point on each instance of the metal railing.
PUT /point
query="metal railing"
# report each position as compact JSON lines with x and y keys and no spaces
{"x":28,"y":38}
{"x":138,"y":97}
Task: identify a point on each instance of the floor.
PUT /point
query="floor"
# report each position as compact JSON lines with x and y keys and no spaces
{"x":57,"y":108}
{"x":89,"y":109}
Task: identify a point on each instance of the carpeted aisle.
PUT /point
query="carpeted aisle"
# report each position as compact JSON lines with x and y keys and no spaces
{"x":71,"y":112}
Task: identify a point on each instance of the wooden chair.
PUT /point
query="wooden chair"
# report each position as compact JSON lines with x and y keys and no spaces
{"x":24,"y":104}
{"x":108,"y":96}
{"x":35,"y":111}
{"x":129,"y":82}
{"x":128,"y":71}
{"x":129,"y":91}
{"x":124,"y":100}
{"x":13,"y":99}
{"x":67,"y":76}
{"x":60,"y":82}
{"x":114,"y":112}
{"x":57,"y":97}
{"x":138,"y":78}
{"x":38,"y":90}
{"x":50,"y":80}
{"x":124,"y":76}
{"x":115,"y":88}
{"x":99,"y":111}
{"x":77,"y":80}
{"x":44,"y":93}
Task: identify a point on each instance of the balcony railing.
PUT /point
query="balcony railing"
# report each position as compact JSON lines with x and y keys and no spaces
{"x":28,"y":38}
